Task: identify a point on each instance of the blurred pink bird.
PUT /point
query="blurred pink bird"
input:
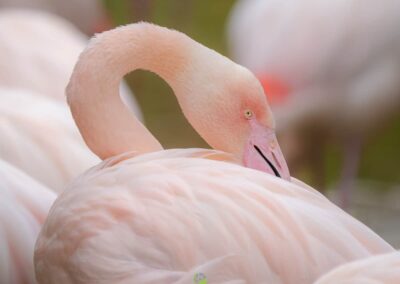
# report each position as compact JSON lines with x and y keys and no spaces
{"x":147,"y":215}
{"x":38,"y":51}
{"x":38,"y":136}
{"x":24,"y":204}
{"x":330,"y":67}
{"x":380,"y":269}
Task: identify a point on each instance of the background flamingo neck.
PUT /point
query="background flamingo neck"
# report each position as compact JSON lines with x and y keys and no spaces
{"x":107,"y":126}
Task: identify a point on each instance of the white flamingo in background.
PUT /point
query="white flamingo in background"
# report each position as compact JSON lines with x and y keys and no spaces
{"x":37,"y":54}
{"x":380,"y":269}
{"x":333,"y":67}
{"x":38,"y":51}
{"x":147,"y":215}
{"x":38,"y":136}
{"x":24,"y":204}
{"x":89,"y":15}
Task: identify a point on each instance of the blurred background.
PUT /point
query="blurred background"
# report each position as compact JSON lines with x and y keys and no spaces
{"x":354,"y":164}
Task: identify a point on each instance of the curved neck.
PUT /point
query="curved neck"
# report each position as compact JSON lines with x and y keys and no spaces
{"x":107,"y":126}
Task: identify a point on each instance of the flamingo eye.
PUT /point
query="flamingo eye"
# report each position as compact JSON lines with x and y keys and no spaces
{"x":248,"y":114}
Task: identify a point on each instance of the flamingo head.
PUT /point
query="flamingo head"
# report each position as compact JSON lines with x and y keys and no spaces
{"x":232,"y":114}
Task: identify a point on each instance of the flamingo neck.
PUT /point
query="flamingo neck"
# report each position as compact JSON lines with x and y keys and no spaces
{"x":106,"y":125}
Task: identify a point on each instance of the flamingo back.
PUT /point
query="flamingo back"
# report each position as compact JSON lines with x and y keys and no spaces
{"x":165,"y":216}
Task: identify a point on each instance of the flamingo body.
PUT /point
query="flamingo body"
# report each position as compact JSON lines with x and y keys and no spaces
{"x":38,"y":136}
{"x":162,"y":217}
{"x":38,"y":51}
{"x":24,"y":204}
{"x":37,"y":55}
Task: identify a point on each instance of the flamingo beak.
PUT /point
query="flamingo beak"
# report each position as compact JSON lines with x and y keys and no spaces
{"x":262,"y":152}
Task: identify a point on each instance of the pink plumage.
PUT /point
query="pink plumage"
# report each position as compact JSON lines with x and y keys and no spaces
{"x":147,"y":215}
{"x":38,"y":51}
{"x":24,"y":204}
{"x":38,"y":136}
{"x":380,"y":269}
{"x":164,"y":216}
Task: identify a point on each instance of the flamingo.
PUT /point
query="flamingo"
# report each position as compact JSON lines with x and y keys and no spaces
{"x":331,"y":66}
{"x":380,"y":269}
{"x":38,"y":136}
{"x":38,"y":51}
{"x":24,"y":204}
{"x":147,"y":215}
{"x":37,"y":54}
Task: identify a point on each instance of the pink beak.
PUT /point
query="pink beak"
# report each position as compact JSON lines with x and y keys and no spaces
{"x":263,"y":153}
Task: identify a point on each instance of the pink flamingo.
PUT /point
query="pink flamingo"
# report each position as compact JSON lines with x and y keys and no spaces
{"x":24,"y":204}
{"x":147,"y":215}
{"x":380,"y":269}
{"x":38,"y":51}
{"x":331,"y":65}
{"x":38,"y":136}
